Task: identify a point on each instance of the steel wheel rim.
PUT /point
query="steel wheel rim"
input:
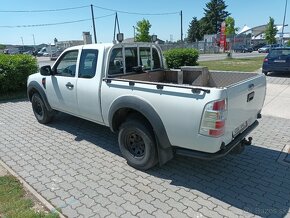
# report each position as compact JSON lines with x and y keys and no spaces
{"x":135,"y":144}
{"x":37,"y":108}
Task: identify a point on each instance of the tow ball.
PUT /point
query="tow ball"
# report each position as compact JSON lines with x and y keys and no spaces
{"x":247,"y":142}
{"x":241,"y":146}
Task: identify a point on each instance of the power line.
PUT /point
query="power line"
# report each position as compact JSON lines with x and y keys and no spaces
{"x":45,"y":10}
{"x":54,"y":24}
{"x":137,"y":13}
{"x":85,"y":6}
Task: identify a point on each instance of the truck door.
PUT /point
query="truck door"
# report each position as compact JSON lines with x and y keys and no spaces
{"x":61,"y":87}
{"x":88,"y":85}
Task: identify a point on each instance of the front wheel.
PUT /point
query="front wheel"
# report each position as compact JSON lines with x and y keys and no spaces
{"x":137,"y":144}
{"x":39,"y":109}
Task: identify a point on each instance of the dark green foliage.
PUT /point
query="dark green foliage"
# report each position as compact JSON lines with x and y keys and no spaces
{"x":194,"y":33}
{"x":14,"y":70}
{"x":215,"y":13}
{"x":175,"y":58}
{"x":288,"y":43}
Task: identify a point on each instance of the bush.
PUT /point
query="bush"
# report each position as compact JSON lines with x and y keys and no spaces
{"x":14,"y":70}
{"x":288,"y":43}
{"x":175,"y":58}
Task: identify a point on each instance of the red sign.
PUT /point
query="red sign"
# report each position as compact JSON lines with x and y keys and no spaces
{"x":223,"y":37}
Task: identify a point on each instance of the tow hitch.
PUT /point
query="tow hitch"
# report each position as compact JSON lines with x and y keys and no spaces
{"x":241,"y":146}
{"x":247,"y":142}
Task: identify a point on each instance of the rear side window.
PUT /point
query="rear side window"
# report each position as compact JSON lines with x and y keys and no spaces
{"x":145,"y":57}
{"x":279,"y":52}
{"x":116,"y":62}
{"x":88,"y":63}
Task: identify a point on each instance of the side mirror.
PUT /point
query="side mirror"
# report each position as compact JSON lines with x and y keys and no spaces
{"x":46,"y":70}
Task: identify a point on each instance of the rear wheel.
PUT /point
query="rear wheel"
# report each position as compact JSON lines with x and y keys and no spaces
{"x":137,"y":144}
{"x":39,"y":109}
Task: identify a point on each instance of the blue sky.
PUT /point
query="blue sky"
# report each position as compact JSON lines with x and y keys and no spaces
{"x":249,"y":12}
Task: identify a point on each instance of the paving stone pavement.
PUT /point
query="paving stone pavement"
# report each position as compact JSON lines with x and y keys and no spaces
{"x":77,"y":166}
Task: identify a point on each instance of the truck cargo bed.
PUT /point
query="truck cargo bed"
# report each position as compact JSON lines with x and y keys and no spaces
{"x":193,"y":76}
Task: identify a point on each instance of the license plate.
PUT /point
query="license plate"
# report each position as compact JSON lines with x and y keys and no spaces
{"x":240,"y":129}
{"x":280,"y":61}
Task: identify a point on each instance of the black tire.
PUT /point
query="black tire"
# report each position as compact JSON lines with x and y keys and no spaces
{"x":137,"y":144}
{"x":39,"y":109}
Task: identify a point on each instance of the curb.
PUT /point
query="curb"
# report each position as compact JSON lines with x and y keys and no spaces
{"x":48,"y":205}
{"x":283,"y":155}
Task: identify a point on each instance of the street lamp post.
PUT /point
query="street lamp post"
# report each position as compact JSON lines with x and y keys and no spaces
{"x":284,"y":22}
{"x":134,"y":33}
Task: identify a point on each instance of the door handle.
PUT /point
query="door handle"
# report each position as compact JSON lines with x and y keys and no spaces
{"x":69,"y":85}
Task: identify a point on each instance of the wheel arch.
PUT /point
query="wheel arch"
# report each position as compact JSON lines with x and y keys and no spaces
{"x":34,"y":87}
{"x":126,"y":105}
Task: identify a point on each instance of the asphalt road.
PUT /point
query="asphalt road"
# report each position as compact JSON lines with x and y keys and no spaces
{"x":212,"y":57}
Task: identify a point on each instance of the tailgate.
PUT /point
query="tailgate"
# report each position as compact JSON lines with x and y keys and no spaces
{"x":245,"y":101}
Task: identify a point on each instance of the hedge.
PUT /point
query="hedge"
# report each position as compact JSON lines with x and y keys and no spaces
{"x":14,"y":70}
{"x":175,"y":58}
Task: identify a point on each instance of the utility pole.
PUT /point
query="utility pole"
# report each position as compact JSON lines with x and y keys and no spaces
{"x":134,"y":33}
{"x":22,"y":44}
{"x":282,"y":40}
{"x":181,"y":28}
{"x":34,"y":42}
{"x":94,"y":27}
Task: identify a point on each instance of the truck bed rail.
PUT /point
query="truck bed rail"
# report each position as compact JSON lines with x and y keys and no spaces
{"x":158,"y":85}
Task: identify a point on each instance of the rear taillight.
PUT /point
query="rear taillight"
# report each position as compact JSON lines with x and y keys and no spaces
{"x":266,"y":60}
{"x":213,"y":119}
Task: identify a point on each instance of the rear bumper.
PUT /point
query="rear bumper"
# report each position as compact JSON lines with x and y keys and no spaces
{"x":219,"y":154}
{"x":271,"y":68}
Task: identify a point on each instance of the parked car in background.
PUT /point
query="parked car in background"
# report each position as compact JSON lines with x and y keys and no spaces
{"x":278,"y":60}
{"x":55,"y":55}
{"x":267,"y":48}
{"x":243,"y":49}
{"x":257,"y":46}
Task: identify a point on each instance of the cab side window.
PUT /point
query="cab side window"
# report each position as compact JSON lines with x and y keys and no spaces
{"x":67,"y":64}
{"x":88,"y":63}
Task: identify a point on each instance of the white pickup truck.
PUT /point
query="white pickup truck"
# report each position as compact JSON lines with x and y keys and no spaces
{"x":156,"y":112}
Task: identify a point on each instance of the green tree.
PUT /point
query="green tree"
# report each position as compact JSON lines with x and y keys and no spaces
{"x":271,"y":32}
{"x":194,"y":31}
{"x":2,"y":46}
{"x":288,"y":43}
{"x":142,"y":29}
{"x":215,"y":13}
{"x":230,"y":26}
